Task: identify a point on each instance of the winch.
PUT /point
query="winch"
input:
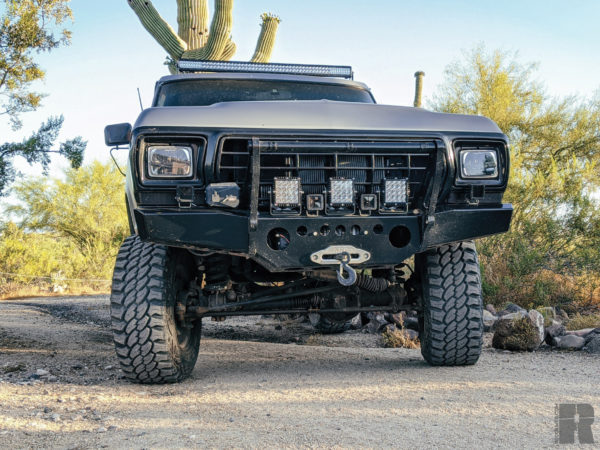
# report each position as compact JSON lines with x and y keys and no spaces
{"x":344,"y":255}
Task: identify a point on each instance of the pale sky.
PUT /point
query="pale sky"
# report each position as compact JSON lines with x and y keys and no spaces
{"x":93,"y":82}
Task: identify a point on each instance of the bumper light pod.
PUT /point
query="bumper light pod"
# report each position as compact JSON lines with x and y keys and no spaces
{"x":395,"y":192}
{"x":341,"y":192}
{"x":287,"y":192}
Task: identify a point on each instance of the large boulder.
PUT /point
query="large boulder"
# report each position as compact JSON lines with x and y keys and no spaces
{"x":592,"y":342}
{"x":516,"y":334}
{"x":537,"y":319}
{"x":489,"y":320}
{"x":569,"y":342}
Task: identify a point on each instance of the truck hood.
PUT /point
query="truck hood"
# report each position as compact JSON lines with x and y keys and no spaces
{"x":312,"y":115}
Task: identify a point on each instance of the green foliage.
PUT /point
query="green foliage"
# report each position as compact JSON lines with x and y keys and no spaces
{"x":552,"y":253}
{"x":73,"y":226}
{"x":37,"y":149}
{"x":27,"y":28}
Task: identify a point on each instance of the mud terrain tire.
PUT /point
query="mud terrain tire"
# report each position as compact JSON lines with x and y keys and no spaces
{"x":451,"y":323}
{"x":152,"y":347}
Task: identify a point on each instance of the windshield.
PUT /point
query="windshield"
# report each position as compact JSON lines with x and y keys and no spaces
{"x":208,"y":92}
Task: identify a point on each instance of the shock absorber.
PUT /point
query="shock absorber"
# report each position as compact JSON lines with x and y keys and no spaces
{"x":216,"y":272}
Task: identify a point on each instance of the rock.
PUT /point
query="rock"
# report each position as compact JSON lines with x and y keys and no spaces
{"x":113,"y":428}
{"x":569,"y":342}
{"x":376,"y":322}
{"x":101,"y":430}
{"x":592,"y":345}
{"x":490,"y":308}
{"x":411,"y":323}
{"x":511,"y":308}
{"x":55,"y":417}
{"x":42,"y":372}
{"x":489,"y":320}
{"x":548,"y":312}
{"x":516,"y":334}
{"x":592,"y":342}
{"x":555,"y":330}
{"x":356,"y":322}
{"x":411,"y":334}
{"x":581,"y":333}
{"x":389,"y":328}
{"x":516,"y":315}
{"x":108,"y":367}
{"x":47,"y":409}
{"x":537,"y":319}
{"x":52,"y":379}
{"x":398,"y":318}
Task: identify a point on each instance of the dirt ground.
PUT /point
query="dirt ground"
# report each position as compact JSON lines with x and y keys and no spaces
{"x":258,"y":384}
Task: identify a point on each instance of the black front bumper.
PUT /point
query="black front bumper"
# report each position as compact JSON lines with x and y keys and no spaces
{"x":227,"y":232}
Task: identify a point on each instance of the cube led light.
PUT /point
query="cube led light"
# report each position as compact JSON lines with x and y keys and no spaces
{"x":314,"y":202}
{"x":287,"y":191}
{"x":341,"y":191}
{"x":396,"y":191}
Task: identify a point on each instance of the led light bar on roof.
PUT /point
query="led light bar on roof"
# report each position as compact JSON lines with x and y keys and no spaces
{"x":189,"y":65}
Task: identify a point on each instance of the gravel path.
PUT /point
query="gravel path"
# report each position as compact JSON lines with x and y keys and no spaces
{"x":255,"y":386}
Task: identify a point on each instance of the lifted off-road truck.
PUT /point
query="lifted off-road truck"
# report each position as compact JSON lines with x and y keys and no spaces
{"x":284,"y":189}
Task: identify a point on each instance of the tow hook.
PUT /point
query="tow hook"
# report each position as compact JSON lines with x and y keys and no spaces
{"x":344,"y":259}
{"x":344,"y":255}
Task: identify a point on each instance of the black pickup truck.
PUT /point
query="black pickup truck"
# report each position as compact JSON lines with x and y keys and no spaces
{"x":265,"y":188}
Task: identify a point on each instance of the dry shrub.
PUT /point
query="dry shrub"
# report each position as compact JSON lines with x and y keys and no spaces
{"x":542,"y":287}
{"x":15,"y":290}
{"x":579,"y":321}
{"x":399,"y":338}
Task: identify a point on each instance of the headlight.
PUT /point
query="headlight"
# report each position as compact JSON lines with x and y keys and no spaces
{"x":477,"y":164}
{"x":169,"y":161}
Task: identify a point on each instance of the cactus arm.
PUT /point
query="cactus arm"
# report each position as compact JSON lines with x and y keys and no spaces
{"x":229,"y":51}
{"x":192,"y":19}
{"x":266,"y":39}
{"x":158,"y":28}
{"x":418,"y":88}
{"x":220,"y":32}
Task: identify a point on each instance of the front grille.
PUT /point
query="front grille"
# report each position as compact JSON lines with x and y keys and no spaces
{"x":315,"y":162}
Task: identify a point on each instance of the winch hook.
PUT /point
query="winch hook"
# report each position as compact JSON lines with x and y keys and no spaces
{"x":344,"y":259}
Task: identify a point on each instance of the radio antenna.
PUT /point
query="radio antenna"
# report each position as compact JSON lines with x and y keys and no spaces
{"x":140,"y":99}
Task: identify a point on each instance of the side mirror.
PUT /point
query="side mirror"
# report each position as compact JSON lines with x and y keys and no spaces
{"x":118,"y":134}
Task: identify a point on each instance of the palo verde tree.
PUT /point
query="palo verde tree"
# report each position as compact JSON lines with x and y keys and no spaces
{"x":552,"y":252}
{"x":83,"y":213}
{"x":194,"y":39}
{"x":27,"y":28}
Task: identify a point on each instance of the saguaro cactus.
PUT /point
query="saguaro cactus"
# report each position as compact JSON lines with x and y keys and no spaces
{"x":418,"y":88}
{"x":194,"y":40}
